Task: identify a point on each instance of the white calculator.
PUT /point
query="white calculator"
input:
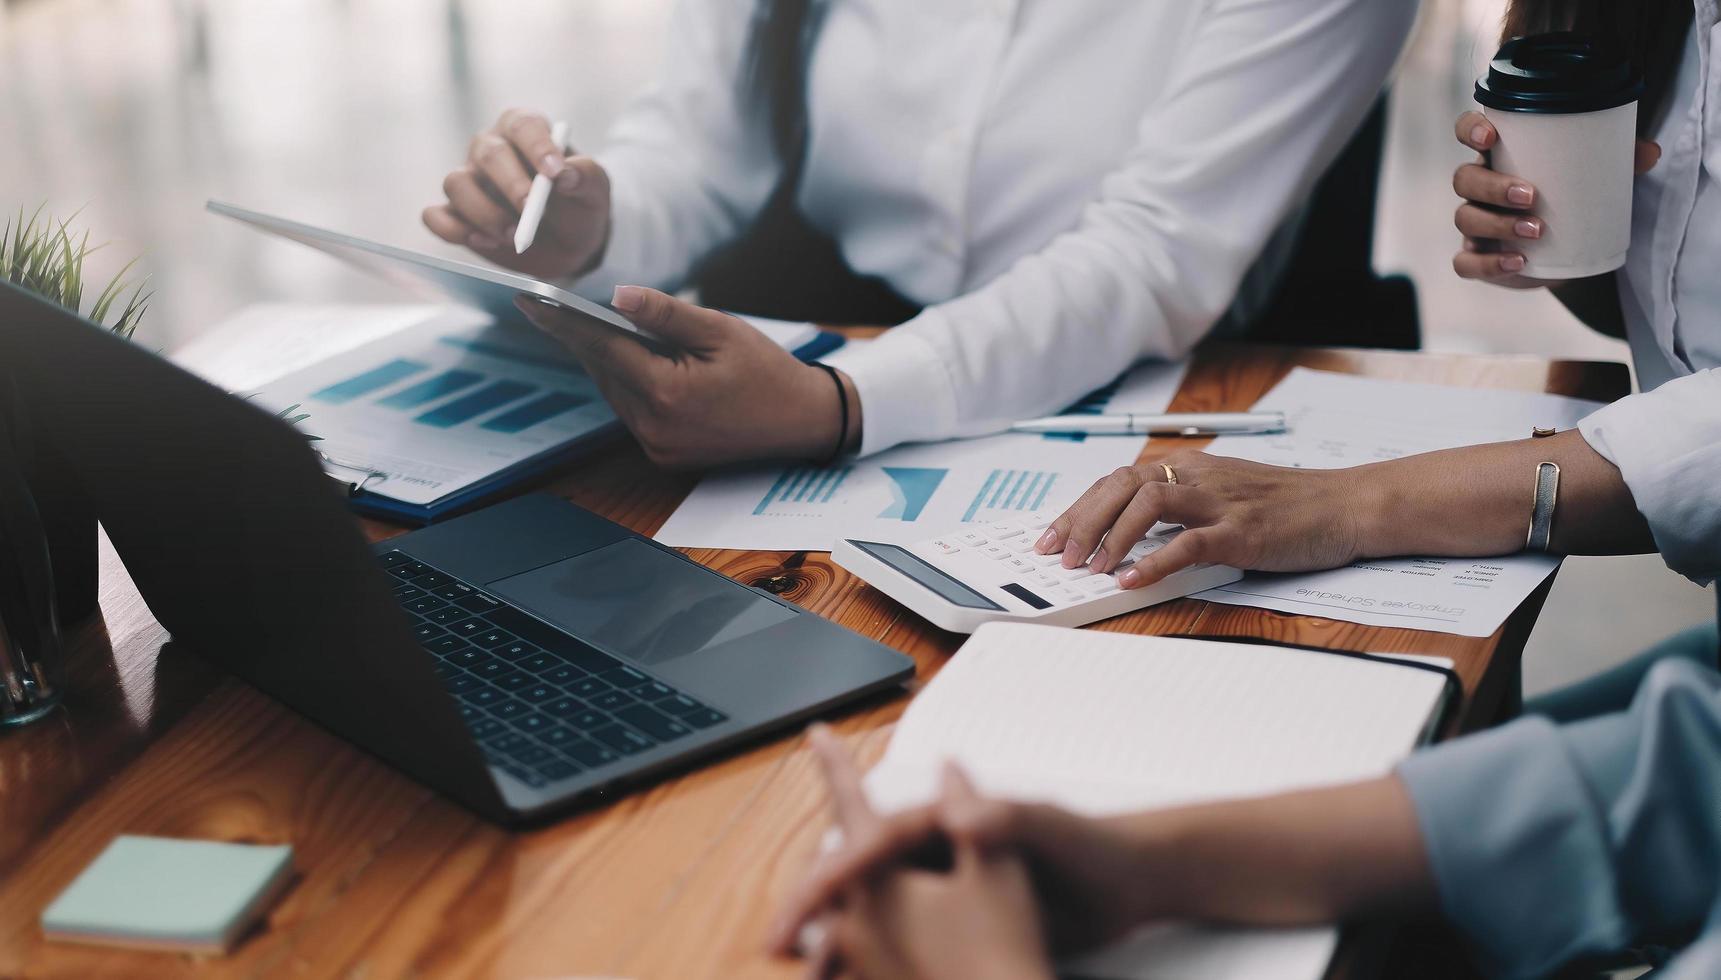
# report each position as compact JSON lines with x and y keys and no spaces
{"x":987,"y":572}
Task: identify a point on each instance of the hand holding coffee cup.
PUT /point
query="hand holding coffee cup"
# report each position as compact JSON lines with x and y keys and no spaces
{"x":1550,"y":197}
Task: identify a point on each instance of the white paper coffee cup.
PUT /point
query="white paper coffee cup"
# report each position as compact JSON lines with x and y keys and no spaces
{"x":1566,"y":111}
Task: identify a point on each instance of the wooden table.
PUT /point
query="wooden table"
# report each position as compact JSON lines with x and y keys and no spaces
{"x":677,"y":880}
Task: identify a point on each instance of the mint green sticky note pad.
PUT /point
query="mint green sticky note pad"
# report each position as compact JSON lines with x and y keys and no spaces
{"x":163,"y":893}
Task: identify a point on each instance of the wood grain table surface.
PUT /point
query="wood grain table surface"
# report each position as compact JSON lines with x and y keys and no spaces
{"x":676,"y":880}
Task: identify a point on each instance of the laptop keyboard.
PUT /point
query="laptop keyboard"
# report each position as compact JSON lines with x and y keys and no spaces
{"x":542,"y":705}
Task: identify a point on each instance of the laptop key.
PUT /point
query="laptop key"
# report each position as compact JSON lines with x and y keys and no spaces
{"x":533,"y":723}
{"x":623,"y":740}
{"x":491,"y":668}
{"x":434,"y":580}
{"x":447,"y":614}
{"x":563,"y":707}
{"x":506,"y":741}
{"x":407,"y":571}
{"x":509,"y":708}
{"x":588,"y":687}
{"x":590,"y":754}
{"x":468,"y":656}
{"x":513,"y":680}
{"x":390,"y":559}
{"x":652,"y":690}
{"x":540,"y":662}
{"x":624,"y":677}
{"x":517,"y":651}
{"x":424,"y":605}
{"x":558,"y":735}
{"x":611,"y":700}
{"x":587,"y":719}
{"x":406,"y":593}
{"x":482,"y":728}
{"x":538,"y":692}
{"x":704,"y":718}
{"x":468,"y":627}
{"x":565,"y":674}
{"x":445,"y":645}
{"x":453,"y":592}
{"x":492,"y":638}
{"x":654,"y":723}
{"x":558,"y":769}
{"x":460,"y":683}
{"x":678,"y":704}
{"x":531,"y":755}
{"x":483,"y":696}
{"x":478,"y":602}
{"x":427,"y":631}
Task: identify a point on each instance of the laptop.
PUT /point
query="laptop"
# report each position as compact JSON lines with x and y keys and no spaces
{"x":521,"y":659}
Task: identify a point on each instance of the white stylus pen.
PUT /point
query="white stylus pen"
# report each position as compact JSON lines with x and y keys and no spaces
{"x":1180,"y":424}
{"x":538,"y":196}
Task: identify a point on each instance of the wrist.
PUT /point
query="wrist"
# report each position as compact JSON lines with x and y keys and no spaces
{"x":1377,"y":511}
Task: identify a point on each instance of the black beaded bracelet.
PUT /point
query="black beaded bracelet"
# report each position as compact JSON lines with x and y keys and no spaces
{"x":842,"y":400}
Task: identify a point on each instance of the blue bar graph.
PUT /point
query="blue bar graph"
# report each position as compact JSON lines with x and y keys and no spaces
{"x":444,"y":384}
{"x":804,"y":485}
{"x":363,"y":384}
{"x":1019,"y":490}
{"x":540,"y":409}
{"x":505,"y":353}
{"x":468,"y":407}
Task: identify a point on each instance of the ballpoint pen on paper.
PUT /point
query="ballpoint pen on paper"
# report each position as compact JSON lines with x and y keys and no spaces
{"x":538,"y":196}
{"x":1179,"y":424}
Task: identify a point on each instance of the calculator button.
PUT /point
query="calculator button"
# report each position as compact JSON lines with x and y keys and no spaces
{"x":943,"y":547}
{"x":1098,"y":584}
{"x":1019,"y":565}
{"x":1005,"y":529}
{"x":1072,"y":574}
{"x":1020,"y":546}
{"x":995,"y":551}
{"x":1046,"y":561}
{"x":1064,"y":593}
{"x":1043,"y":579}
{"x":973,"y":539}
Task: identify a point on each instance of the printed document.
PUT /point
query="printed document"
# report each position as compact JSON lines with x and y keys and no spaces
{"x":1338,"y":420}
{"x":1124,"y":723}
{"x":913,"y":492}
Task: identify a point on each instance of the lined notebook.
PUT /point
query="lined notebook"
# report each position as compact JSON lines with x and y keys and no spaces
{"x":1104,"y":723}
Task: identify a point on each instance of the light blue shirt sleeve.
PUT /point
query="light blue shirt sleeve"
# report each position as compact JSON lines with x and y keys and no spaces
{"x":1549,"y":843}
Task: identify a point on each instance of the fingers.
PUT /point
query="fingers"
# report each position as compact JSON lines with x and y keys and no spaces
{"x":862,"y":855}
{"x":473,"y":204}
{"x":1078,"y":531}
{"x":692,"y":328}
{"x":446,"y":225}
{"x":849,"y":806}
{"x":496,"y":159}
{"x":1153,"y":503}
{"x":528,"y":135}
{"x":610,"y":356}
{"x":1479,"y":185}
{"x":1648,"y":155}
{"x":1192,"y":547}
{"x":1475,"y":131}
{"x":1483,"y":223}
{"x":1486,"y":266}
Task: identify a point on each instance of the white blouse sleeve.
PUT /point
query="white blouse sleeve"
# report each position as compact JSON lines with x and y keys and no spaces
{"x":689,"y":165}
{"x":1260,"y":102}
{"x":1667,"y":445}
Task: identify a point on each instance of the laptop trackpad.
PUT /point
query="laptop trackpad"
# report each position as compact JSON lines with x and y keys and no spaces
{"x":637,"y":601}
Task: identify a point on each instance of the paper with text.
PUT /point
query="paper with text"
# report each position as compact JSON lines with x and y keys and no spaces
{"x":913,"y":492}
{"x":1104,"y":723}
{"x":1341,"y":420}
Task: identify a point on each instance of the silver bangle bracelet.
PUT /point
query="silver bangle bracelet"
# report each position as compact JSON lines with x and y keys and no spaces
{"x":1542,"y":511}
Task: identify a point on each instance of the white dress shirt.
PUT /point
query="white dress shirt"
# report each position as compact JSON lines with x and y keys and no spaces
{"x":1067,"y":186}
{"x":1667,"y":440}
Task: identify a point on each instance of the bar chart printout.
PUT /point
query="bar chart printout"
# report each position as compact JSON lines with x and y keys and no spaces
{"x":1008,"y":492}
{"x":803,"y":488}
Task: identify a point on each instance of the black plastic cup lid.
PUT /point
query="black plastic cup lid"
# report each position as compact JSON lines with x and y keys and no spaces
{"x":1558,"y":73}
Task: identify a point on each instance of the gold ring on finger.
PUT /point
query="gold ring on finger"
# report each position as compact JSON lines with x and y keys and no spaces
{"x":1170,"y":474}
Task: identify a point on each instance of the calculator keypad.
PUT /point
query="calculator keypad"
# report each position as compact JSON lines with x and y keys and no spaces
{"x":992,"y":556}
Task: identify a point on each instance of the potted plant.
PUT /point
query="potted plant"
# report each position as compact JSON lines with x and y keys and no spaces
{"x":45,"y":257}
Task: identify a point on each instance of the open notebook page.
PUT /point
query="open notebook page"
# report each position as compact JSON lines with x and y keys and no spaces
{"x":1104,"y":723}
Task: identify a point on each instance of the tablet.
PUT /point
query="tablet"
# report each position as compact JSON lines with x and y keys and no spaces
{"x":480,"y":287}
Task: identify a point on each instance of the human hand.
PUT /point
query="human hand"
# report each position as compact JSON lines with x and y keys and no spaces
{"x":1497,"y":215}
{"x":976,"y":919}
{"x":486,"y":193}
{"x":714,"y":391}
{"x":1085,"y":874}
{"x":1235,"y":512}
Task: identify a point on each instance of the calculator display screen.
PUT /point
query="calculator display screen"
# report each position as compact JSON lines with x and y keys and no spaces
{"x":917,"y":568}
